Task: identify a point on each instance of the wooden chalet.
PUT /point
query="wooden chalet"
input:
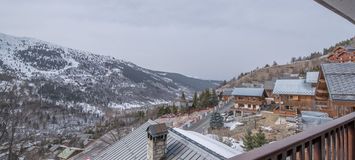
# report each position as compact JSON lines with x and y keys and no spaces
{"x":342,"y":55}
{"x":269,"y":87}
{"x":227,"y":94}
{"x":295,"y":94}
{"x":335,"y":93}
{"x":248,"y":100}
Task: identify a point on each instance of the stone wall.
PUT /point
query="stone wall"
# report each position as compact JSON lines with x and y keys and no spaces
{"x":156,"y":149}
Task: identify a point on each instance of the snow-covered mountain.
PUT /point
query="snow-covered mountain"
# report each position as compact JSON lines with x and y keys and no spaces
{"x":68,"y":76}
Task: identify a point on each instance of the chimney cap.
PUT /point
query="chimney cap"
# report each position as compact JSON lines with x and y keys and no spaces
{"x":157,"y":130}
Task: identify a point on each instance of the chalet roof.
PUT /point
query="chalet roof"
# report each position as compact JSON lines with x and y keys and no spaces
{"x":227,"y":91}
{"x":293,"y":87}
{"x":180,"y":145}
{"x":350,"y":49}
{"x":340,"y":79}
{"x":312,"y":77}
{"x":254,"y":92}
{"x":269,"y":85}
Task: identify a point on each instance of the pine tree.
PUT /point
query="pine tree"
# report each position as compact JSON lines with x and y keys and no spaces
{"x":251,"y":141}
{"x":206,"y":98}
{"x":274,"y":63}
{"x":195,"y":101}
{"x":161,"y":111}
{"x":259,"y":139}
{"x":174,"y":109}
{"x":167,"y":110}
{"x":248,"y":141}
{"x":216,"y":121}
{"x":214,"y":98}
{"x":183,"y":96}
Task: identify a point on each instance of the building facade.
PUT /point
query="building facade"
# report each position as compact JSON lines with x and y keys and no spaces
{"x":248,"y":100}
{"x":342,"y":55}
{"x":292,"y":95}
{"x":335,"y":93}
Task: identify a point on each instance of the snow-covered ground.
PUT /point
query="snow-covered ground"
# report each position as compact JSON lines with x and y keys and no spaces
{"x":237,"y":145}
{"x":232,"y":125}
{"x":266,"y":128}
{"x":136,"y":104}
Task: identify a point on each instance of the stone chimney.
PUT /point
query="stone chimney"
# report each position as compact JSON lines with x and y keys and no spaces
{"x":157,"y":135}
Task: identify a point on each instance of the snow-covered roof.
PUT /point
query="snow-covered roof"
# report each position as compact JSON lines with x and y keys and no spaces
{"x":311,"y":119}
{"x":269,"y":85}
{"x":181,"y":144}
{"x":312,"y":77}
{"x":209,"y":143}
{"x":255,"y":92}
{"x":227,"y":91}
{"x":293,"y":87}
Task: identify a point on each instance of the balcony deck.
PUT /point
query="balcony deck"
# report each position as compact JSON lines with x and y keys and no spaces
{"x":333,"y":140}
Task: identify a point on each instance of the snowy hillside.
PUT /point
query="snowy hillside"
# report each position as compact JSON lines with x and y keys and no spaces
{"x":68,"y":76}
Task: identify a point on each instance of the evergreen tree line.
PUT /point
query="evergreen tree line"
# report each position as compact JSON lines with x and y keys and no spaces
{"x":319,"y":54}
{"x":216,"y":121}
{"x":205,"y":100}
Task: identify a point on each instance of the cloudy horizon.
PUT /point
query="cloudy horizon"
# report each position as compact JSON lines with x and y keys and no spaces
{"x":208,"y":39}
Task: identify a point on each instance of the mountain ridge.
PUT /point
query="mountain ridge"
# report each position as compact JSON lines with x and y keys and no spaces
{"x":72,"y":76}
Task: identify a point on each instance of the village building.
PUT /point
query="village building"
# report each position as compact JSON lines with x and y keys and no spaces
{"x":269,"y":87}
{"x":342,"y":55}
{"x":295,"y":94}
{"x":335,"y":93}
{"x":227,"y":94}
{"x":182,"y":103}
{"x":155,"y":141}
{"x":248,"y":100}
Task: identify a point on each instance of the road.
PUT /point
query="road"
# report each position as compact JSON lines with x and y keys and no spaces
{"x":203,"y":125}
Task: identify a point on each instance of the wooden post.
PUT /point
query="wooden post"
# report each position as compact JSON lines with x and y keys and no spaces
{"x":328,"y":146}
{"x":294,"y":150}
{"x":334,"y":151}
{"x":302,"y":154}
{"x":317,"y":153}
{"x":345,"y":137}
{"x":351,"y":141}
{"x":338,"y":143}
{"x":341,"y":142}
{"x":308,"y":155}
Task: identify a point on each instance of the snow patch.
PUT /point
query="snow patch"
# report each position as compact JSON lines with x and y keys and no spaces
{"x":232,"y":125}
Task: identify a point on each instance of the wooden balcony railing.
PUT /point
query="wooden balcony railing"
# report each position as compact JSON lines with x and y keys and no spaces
{"x":285,"y":113}
{"x":333,"y":140}
{"x":303,"y":103}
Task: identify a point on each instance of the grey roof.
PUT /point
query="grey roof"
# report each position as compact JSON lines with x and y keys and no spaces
{"x":340,"y":79}
{"x":227,"y":92}
{"x":269,"y":85}
{"x":293,"y":87}
{"x":179,"y":146}
{"x":311,"y":119}
{"x":312,"y":77}
{"x":350,"y":48}
{"x":255,"y":92}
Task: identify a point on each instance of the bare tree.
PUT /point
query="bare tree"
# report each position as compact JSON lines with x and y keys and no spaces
{"x":11,"y":116}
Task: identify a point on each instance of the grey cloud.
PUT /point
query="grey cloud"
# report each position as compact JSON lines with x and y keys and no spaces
{"x":211,"y":39}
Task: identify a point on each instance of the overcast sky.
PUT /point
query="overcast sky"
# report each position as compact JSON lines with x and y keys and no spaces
{"x":209,"y":39}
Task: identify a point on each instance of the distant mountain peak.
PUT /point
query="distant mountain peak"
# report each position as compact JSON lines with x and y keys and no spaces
{"x":71,"y":76}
